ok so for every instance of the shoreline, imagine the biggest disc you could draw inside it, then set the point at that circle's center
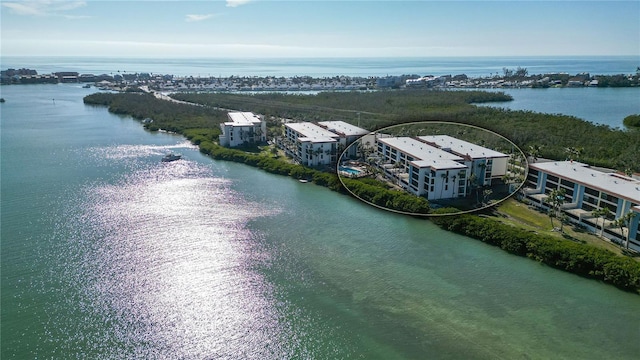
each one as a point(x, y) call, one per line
point(511, 79)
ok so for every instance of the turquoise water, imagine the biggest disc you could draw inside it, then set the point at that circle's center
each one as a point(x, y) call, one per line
point(109, 253)
point(349, 170)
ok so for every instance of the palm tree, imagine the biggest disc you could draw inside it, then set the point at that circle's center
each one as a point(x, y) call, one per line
point(445, 178)
point(574, 153)
point(551, 214)
point(601, 213)
point(483, 167)
point(316, 154)
point(555, 199)
point(473, 185)
point(622, 222)
point(534, 152)
point(485, 195)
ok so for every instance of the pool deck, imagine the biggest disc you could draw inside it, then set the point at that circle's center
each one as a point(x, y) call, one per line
point(358, 170)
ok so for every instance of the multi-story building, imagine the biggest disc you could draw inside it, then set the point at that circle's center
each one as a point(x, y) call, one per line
point(586, 191)
point(310, 144)
point(423, 169)
point(319, 144)
point(243, 128)
point(347, 135)
point(485, 163)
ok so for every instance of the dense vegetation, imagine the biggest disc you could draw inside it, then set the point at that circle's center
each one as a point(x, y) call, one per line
point(576, 258)
point(376, 193)
point(369, 191)
point(271, 164)
point(551, 134)
point(166, 115)
point(632, 121)
point(619, 80)
point(375, 109)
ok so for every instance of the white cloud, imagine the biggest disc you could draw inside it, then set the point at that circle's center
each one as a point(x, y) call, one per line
point(236, 3)
point(43, 7)
point(198, 17)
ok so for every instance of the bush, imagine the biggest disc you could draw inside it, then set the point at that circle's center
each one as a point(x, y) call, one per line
point(632, 121)
point(579, 259)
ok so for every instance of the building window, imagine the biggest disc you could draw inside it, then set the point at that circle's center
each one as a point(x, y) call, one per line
point(591, 191)
point(566, 183)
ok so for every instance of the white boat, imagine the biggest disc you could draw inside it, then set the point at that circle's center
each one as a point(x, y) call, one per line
point(171, 157)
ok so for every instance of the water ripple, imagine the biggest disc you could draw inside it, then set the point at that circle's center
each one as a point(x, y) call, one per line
point(168, 263)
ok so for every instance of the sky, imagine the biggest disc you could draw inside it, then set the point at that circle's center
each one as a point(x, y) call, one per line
point(302, 28)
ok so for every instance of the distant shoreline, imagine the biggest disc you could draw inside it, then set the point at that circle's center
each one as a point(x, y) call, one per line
point(512, 78)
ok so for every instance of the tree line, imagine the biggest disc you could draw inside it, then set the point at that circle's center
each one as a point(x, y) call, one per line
point(551, 134)
point(580, 259)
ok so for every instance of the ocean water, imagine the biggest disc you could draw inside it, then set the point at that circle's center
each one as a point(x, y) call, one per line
point(108, 253)
point(600, 106)
point(329, 67)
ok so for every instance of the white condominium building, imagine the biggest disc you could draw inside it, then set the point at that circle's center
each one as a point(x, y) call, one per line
point(586, 191)
point(486, 164)
point(423, 169)
point(243, 128)
point(310, 144)
point(319, 144)
point(348, 134)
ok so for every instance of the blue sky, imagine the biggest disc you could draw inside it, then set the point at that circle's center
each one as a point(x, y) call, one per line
point(260, 28)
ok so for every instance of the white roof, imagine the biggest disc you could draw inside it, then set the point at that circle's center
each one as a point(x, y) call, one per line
point(243, 118)
point(462, 147)
point(438, 164)
point(612, 183)
point(418, 150)
point(312, 132)
point(343, 127)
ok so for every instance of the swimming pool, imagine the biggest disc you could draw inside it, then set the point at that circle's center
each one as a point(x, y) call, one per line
point(350, 171)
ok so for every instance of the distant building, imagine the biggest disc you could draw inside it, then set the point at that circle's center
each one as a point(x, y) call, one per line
point(389, 81)
point(67, 76)
point(87, 78)
point(587, 190)
point(426, 81)
point(243, 128)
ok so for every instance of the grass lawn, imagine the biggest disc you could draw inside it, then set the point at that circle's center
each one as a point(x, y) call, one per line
point(515, 213)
